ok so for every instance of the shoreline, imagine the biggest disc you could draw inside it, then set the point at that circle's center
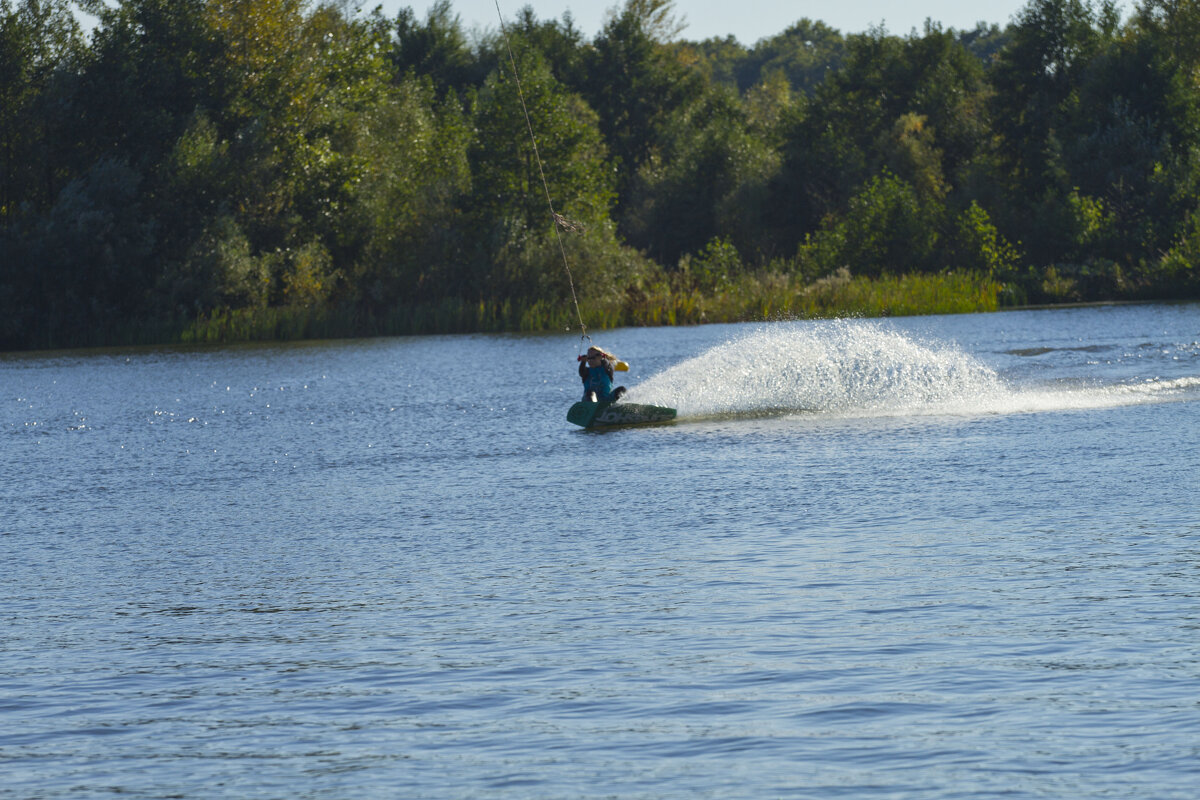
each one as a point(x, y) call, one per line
point(257, 342)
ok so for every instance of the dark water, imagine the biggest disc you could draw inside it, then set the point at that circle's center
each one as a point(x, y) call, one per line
point(930, 558)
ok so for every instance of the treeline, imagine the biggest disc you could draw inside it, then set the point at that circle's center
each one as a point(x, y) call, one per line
point(205, 169)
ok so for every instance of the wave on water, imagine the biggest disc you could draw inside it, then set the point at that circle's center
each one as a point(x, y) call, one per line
point(1152, 390)
point(862, 368)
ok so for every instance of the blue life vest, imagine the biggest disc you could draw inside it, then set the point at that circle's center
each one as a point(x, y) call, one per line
point(599, 382)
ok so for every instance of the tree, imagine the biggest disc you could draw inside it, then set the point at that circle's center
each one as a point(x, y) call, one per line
point(84, 265)
point(635, 82)
point(889, 230)
point(1175, 24)
point(41, 47)
point(914, 106)
point(1096, 129)
point(510, 204)
point(408, 211)
point(806, 53)
point(708, 183)
point(1053, 42)
point(437, 49)
point(559, 42)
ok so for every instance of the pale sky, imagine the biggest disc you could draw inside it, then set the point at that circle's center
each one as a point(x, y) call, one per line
point(748, 20)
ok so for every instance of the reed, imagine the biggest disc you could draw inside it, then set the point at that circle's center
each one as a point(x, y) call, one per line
point(773, 295)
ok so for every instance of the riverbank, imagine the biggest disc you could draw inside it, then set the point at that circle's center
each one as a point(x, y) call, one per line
point(747, 297)
point(763, 296)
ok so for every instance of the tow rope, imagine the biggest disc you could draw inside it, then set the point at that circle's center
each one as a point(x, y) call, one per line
point(559, 220)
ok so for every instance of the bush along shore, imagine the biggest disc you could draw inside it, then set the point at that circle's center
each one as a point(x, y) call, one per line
point(760, 297)
point(227, 170)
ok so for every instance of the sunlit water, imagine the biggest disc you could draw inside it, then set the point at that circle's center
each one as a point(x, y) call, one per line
point(927, 558)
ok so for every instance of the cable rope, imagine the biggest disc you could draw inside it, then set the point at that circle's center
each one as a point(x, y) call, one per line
point(559, 220)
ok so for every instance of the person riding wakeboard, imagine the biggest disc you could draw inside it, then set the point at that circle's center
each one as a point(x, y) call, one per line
point(596, 371)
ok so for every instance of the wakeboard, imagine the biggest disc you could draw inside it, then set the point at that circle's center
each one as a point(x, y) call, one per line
point(609, 415)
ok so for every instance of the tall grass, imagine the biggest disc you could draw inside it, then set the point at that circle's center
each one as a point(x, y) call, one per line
point(770, 296)
point(749, 297)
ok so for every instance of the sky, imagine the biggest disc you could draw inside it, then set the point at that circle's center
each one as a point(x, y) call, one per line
point(748, 20)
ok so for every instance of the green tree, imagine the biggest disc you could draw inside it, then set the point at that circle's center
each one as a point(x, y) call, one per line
point(721, 58)
point(805, 53)
point(1035, 79)
point(914, 106)
point(984, 41)
point(41, 48)
point(1152, 86)
point(1097, 126)
point(709, 182)
point(1175, 27)
point(408, 211)
point(298, 89)
point(889, 230)
point(437, 49)
point(245, 122)
point(88, 259)
point(636, 83)
point(509, 202)
point(153, 63)
point(559, 42)
point(975, 245)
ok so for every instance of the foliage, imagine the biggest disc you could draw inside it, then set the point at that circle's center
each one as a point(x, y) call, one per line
point(215, 169)
point(708, 180)
point(802, 55)
point(438, 49)
point(635, 82)
point(41, 48)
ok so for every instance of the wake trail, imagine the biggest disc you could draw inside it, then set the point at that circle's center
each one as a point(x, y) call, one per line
point(862, 368)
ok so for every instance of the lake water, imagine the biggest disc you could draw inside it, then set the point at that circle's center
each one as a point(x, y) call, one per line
point(944, 557)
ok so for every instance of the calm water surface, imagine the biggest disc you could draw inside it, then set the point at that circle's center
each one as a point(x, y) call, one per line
point(945, 557)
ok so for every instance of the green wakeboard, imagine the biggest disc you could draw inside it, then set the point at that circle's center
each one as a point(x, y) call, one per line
point(608, 415)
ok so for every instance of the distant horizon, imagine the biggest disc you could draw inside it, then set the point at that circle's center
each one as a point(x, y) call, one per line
point(748, 21)
point(752, 21)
